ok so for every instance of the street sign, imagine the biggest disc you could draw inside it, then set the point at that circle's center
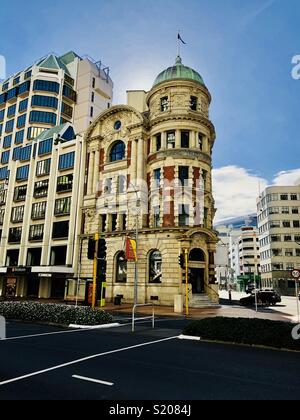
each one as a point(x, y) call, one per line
point(296, 274)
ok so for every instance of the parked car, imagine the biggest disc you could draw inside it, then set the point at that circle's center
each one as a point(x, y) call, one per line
point(250, 287)
point(264, 298)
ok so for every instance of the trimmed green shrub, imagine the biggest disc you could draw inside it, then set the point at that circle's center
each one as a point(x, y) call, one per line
point(53, 313)
point(261, 332)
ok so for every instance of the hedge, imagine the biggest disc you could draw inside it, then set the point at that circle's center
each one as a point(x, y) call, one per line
point(53, 313)
point(260, 332)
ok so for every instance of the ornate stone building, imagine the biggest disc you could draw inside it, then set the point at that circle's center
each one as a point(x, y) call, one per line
point(154, 156)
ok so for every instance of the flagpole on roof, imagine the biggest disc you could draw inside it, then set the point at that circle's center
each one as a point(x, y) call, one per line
point(178, 43)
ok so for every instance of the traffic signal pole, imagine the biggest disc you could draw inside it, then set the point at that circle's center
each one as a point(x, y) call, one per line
point(95, 271)
point(186, 255)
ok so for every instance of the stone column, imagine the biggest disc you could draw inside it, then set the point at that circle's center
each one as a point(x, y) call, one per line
point(140, 160)
point(91, 173)
point(178, 139)
point(195, 143)
point(164, 140)
point(96, 170)
point(134, 161)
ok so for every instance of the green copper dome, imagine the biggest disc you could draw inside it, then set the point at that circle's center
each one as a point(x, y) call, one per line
point(179, 71)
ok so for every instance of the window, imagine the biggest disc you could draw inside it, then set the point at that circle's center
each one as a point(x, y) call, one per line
point(43, 167)
point(44, 101)
point(34, 257)
point(5, 157)
point(2, 214)
point(93, 97)
point(93, 83)
point(122, 180)
point(183, 175)
point(41, 189)
point(39, 210)
point(200, 141)
point(123, 222)
point(58, 256)
point(66, 161)
point(24, 87)
point(108, 186)
point(2, 113)
point(294, 197)
point(171, 140)
point(287, 238)
point(164, 104)
point(7, 141)
point(42, 117)
point(117, 151)
point(19, 138)
point(25, 153)
point(69, 93)
point(103, 218)
point(295, 210)
point(12, 258)
point(184, 215)
point(156, 216)
point(21, 121)
point(45, 147)
point(22, 173)
point(15, 235)
point(289, 253)
point(158, 142)
point(62, 206)
point(185, 139)
point(16, 81)
point(121, 268)
point(67, 110)
point(20, 193)
point(155, 267)
point(157, 178)
point(9, 126)
point(284, 197)
point(60, 230)
point(11, 111)
point(65, 183)
point(274, 224)
point(92, 112)
point(34, 132)
point(23, 105)
point(285, 210)
point(114, 222)
point(4, 173)
point(194, 103)
point(43, 85)
point(297, 238)
point(11, 94)
point(16, 153)
point(3, 194)
point(17, 214)
point(296, 224)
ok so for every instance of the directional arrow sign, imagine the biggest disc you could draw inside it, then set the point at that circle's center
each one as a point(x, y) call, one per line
point(296, 274)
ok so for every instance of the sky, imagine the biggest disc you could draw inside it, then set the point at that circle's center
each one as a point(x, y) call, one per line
point(243, 50)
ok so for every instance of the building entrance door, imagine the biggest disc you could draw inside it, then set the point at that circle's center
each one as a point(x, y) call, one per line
point(33, 286)
point(197, 279)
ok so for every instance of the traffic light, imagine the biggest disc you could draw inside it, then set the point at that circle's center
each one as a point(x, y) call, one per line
point(91, 249)
point(102, 248)
point(181, 260)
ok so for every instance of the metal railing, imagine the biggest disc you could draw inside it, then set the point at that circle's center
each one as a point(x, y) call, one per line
point(144, 318)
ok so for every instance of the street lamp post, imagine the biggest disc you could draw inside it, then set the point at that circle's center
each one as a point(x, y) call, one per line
point(136, 267)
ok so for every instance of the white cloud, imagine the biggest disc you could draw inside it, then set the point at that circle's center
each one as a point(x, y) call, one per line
point(236, 191)
point(285, 178)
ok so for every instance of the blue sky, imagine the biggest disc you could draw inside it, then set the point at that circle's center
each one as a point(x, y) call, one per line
point(243, 50)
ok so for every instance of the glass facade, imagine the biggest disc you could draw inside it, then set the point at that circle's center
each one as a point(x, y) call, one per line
point(42, 117)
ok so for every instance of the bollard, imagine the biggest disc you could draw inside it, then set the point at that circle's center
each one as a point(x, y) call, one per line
point(2, 328)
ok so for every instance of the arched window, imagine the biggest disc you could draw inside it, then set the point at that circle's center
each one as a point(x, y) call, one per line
point(155, 267)
point(197, 255)
point(121, 268)
point(117, 151)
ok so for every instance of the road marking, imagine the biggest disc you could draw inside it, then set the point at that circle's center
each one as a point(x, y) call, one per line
point(85, 359)
point(44, 334)
point(189, 337)
point(95, 381)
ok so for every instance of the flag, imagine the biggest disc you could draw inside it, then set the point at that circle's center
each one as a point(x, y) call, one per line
point(131, 250)
point(180, 39)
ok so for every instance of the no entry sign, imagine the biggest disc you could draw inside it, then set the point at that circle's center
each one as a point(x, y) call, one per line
point(296, 274)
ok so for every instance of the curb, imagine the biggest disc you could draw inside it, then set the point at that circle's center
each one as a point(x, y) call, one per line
point(94, 327)
point(189, 337)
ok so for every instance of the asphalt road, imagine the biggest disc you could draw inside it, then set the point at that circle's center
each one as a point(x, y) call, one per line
point(116, 364)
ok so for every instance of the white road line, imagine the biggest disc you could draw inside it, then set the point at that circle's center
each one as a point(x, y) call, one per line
point(75, 362)
point(44, 334)
point(95, 381)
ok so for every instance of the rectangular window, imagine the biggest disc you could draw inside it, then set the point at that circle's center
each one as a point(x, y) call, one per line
point(296, 224)
point(183, 175)
point(45, 86)
point(103, 218)
point(42, 117)
point(158, 142)
point(2, 214)
point(123, 222)
point(65, 183)
point(114, 222)
point(66, 161)
point(92, 112)
point(7, 141)
point(3, 195)
point(2, 113)
point(22, 173)
point(93, 97)
point(93, 83)
point(11, 111)
point(184, 215)
point(164, 104)
point(41, 189)
point(15, 235)
point(44, 101)
point(5, 157)
point(24, 87)
point(36, 233)
point(16, 153)
point(9, 126)
point(62, 206)
point(284, 197)
point(285, 210)
point(21, 121)
point(67, 110)
point(194, 103)
point(58, 256)
point(11, 94)
point(69, 93)
point(185, 139)
point(19, 138)
point(286, 224)
point(23, 105)
point(34, 132)
point(45, 147)
point(294, 197)
point(295, 210)
point(156, 216)
point(43, 167)
point(60, 230)
point(122, 180)
point(20, 193)
point(17, 214)
point(157, 178)
point(12, 258)
point(34, 256)
point(108, 186)
point(171, 140)
point(4, 173)
point(25, 153)
point(200, 141)
point(39, 210)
